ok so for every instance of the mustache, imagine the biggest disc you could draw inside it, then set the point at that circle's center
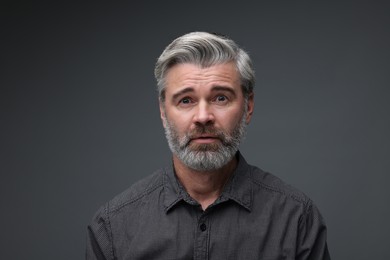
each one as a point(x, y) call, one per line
point(205, 130)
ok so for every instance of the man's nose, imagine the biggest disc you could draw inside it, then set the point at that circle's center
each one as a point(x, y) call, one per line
point(204, 114)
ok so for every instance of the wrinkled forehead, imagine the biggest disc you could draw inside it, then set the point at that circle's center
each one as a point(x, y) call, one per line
point(188, 74)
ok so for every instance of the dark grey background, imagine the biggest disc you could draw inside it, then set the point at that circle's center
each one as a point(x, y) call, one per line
point(80, 120)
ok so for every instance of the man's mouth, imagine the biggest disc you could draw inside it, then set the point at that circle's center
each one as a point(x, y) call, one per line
point(204, 139)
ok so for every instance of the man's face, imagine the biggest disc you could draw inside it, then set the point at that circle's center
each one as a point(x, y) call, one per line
point(204, 114)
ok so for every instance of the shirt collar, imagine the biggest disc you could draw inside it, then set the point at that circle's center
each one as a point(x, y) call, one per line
point(237, 189)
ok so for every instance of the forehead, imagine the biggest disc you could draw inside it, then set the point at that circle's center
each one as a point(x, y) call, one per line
point(191, 75)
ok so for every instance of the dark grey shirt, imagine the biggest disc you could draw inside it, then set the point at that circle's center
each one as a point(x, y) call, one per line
point(256, 217)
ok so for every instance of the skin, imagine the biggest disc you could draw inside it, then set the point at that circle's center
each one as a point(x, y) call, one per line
point(200, 96)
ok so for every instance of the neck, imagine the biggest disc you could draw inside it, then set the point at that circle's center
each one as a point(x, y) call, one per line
point(204, 186)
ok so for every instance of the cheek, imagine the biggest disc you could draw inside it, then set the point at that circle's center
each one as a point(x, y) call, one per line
point(182, 118)
point(179, 121)
point(230, 120)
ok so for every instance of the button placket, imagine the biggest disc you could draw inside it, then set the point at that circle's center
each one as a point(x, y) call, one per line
point(203, 227)
point(202, 237)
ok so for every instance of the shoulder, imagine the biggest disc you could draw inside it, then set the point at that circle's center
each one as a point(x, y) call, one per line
point(128, 202)
point(136, 192)
point(274, 186)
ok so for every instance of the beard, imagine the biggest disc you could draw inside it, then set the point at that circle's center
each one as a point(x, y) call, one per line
point(205, 157)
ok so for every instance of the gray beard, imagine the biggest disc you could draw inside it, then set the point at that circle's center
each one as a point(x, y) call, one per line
point(205, 157)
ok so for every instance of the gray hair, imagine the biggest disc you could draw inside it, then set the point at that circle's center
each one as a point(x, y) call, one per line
point(204, 49)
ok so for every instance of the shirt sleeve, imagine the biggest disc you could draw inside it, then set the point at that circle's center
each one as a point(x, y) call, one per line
point(312, 243)
point(99, 239)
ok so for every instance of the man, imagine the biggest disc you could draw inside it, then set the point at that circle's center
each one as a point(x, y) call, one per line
point(209, 204)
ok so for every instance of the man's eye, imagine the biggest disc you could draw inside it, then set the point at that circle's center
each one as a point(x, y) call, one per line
point(221, 98)
point(185, 101)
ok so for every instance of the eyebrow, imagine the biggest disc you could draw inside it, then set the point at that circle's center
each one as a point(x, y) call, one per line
point(213, 89)
point(223, 88)
point(182, 92)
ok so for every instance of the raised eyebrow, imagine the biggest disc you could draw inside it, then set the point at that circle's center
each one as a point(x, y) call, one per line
point(223, 88)
point(182, 92)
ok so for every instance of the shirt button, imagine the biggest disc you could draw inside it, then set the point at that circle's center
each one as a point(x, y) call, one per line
point(203, 227)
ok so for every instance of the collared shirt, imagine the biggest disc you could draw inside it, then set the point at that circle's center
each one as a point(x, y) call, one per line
point(257, 216)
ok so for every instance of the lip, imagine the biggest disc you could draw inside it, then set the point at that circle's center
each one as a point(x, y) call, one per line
point(205, 139)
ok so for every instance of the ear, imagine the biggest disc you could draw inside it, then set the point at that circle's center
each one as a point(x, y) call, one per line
point(250, 107)
point(162, 112)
